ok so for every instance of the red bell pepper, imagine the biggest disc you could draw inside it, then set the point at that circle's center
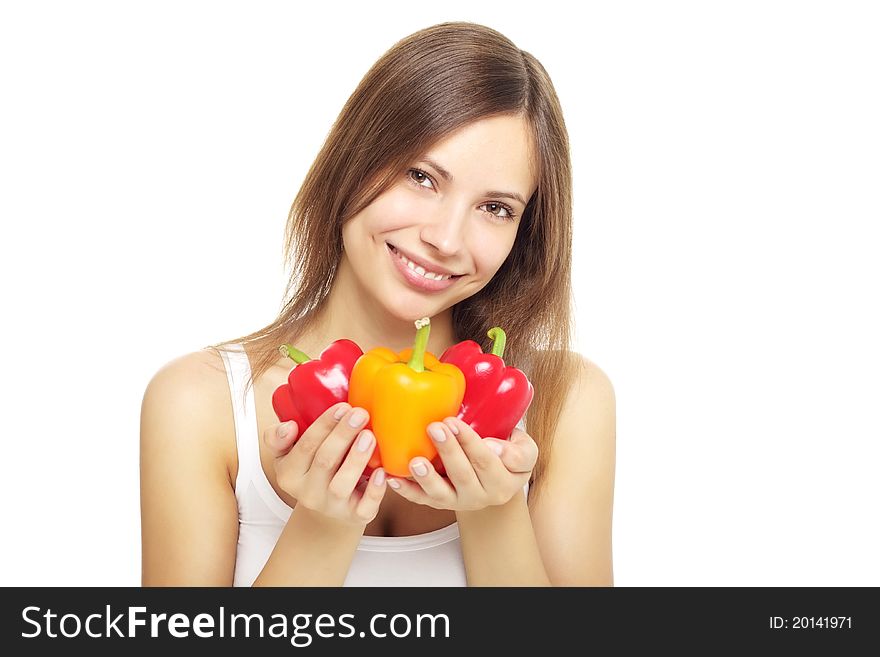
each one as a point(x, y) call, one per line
point(496, 396)
point(313, 386)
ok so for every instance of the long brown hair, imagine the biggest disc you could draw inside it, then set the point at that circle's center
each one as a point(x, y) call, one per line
point(426, 86)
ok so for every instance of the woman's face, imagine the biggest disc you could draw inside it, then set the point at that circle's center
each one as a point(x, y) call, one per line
point(464, 225)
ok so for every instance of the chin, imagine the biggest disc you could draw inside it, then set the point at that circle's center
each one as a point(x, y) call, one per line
point(407, 314)
point(405, 304)
point(409, 310)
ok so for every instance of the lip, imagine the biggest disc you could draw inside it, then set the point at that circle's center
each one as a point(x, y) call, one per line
point(415, 280)
point(427, 266)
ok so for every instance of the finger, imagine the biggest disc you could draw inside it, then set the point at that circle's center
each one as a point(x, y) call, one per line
point(520, 453)
point(279, 438)
point(410, 491)
point(333, 450)
point(435, 486)
point(458, 468)
point(346, 478)
point(511, 455)
point(303, 452)
point(367, 507)
point(486, 464)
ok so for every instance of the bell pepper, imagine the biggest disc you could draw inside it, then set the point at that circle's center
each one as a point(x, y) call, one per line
point(403, 394)
point(313, 386)
point(496, 396)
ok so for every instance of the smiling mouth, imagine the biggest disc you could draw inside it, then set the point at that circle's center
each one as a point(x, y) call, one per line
point(398, 254)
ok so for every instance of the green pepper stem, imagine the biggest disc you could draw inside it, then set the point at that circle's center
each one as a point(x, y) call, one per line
point(294, 354)
point(417, 360)
point(499, 340)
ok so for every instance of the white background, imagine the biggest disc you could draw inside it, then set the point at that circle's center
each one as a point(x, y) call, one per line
point(726, 210)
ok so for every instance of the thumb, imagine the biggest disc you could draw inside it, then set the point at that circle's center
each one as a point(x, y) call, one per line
point(521, 452)
point(279, 438)
point(505, 451)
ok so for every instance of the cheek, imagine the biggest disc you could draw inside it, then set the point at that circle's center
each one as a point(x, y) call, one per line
point(384, 214)
point(490, 252)
point(394, 209)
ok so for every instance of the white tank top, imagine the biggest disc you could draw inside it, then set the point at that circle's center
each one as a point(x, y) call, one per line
point(431, 559)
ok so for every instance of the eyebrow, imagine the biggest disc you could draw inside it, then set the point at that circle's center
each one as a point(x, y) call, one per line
point(449, 178)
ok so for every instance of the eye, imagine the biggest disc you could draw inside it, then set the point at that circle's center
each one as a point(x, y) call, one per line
point(419, 172)
point(510, 214)
point(417, 177)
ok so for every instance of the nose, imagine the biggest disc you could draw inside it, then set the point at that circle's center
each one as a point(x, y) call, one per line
point(445, 231)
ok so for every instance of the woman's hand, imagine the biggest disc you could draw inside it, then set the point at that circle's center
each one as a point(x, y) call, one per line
point(478, 476)
point(322, 468)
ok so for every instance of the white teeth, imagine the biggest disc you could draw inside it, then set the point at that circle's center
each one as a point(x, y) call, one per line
point(420, 270)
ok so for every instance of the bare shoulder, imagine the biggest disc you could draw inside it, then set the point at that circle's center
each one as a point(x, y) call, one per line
point(192, 391)
point(593, 378)
point(589, 387)
point(200, 367)
point(588, 418)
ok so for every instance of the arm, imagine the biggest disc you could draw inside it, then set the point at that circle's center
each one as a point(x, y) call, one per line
point(499, 547)
point(313, 550)
point(570, 523)
point(189, 514)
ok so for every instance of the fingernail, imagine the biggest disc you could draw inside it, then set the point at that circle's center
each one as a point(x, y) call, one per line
point(437, 433)
point(357, 418)
point(380, 477)
point(393, 483)
point(452, 427)
point(365, 441)
point(285, 430)
point(496, 447)
point(342, 410)
point(420, 469)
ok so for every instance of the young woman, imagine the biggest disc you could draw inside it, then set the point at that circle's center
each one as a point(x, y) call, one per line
point(451, 154)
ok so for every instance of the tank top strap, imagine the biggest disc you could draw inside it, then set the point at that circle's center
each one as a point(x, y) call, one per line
point(238, 369)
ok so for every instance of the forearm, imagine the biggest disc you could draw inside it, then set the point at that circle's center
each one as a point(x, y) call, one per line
point(499, 546)
point(313, 550)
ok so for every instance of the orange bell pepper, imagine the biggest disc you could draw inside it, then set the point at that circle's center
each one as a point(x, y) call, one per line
point(403, 394)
